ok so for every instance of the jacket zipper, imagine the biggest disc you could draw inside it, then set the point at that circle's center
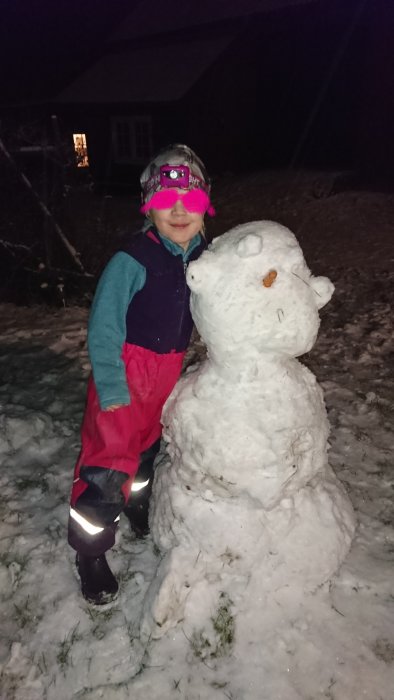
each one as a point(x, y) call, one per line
point(183, 308)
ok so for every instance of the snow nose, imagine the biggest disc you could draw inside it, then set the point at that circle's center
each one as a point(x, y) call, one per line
point(270, 278)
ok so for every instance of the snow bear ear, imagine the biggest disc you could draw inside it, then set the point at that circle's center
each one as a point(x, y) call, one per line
point(323, 288)
point(250, 245)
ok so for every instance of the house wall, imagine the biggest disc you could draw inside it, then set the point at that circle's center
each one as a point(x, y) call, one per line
point(96, 122)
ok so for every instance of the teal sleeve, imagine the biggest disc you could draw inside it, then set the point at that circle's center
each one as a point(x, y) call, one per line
point(121, 280)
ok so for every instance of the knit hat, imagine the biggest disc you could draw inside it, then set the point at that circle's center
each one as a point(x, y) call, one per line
point(156, 175)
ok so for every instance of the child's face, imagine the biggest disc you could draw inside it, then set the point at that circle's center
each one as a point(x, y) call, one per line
point(177, 223)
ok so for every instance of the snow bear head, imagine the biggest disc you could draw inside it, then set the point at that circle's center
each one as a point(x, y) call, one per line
point(253, 293)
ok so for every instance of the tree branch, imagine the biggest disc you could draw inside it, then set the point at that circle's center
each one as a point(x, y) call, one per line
point(22, 177)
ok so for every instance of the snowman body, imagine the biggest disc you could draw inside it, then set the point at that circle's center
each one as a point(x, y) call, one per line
point(245, 497)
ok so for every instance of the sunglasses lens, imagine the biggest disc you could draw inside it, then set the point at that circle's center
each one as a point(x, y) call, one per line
point(196, 201)
point(165, 199)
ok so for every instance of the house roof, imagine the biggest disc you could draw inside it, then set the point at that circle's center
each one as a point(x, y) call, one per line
point(151, 17)
point(162, 74)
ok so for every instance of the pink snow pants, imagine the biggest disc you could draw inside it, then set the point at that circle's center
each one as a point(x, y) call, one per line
point(115, 440)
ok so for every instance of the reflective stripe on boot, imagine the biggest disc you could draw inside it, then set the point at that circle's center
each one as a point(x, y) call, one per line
point(94, 517)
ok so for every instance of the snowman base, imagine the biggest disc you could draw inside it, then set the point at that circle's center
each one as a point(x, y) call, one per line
point(246, 553)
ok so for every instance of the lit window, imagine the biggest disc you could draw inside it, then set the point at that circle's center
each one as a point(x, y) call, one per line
point(132, 139)
point(81, 150)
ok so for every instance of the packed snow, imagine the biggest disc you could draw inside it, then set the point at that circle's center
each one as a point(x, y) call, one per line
point(247, 501)
point(315, 634)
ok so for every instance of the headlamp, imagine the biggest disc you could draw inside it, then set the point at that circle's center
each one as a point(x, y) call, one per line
point(174, 176)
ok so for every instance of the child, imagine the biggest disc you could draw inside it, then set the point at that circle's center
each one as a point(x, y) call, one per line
point(139, 328)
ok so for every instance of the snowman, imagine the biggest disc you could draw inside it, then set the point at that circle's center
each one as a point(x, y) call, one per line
point(245, 503)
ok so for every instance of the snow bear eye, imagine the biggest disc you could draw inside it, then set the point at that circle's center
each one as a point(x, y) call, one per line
point(249, 245)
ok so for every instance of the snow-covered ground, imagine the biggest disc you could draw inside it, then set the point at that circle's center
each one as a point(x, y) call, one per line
point(336, 643)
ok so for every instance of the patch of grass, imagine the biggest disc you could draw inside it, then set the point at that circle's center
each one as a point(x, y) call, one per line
point(99, 618)
point(200, 645)
point(63, 655)
point(101, 615)
point(228, 557)
point(328, 693)
point(98, 632)
point(15, 563)
point(224, 625)
point(29, 482)
point(219, 685)
point(63, 498)
point(218, 642)
point(55, 531)
point(25, 613)
point(42, 665)
point(126, 575)
point(384, 650)
point(176, 685)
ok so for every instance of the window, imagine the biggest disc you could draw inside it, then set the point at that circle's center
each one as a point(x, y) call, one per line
point(132, 139)
point(81, 150)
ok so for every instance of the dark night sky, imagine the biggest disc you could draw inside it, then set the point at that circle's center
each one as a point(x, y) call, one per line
point(45, 43)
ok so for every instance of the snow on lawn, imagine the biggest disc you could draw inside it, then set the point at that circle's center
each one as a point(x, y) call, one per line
point(335, 643)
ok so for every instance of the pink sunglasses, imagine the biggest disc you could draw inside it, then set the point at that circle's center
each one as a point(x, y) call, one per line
point(195, 201)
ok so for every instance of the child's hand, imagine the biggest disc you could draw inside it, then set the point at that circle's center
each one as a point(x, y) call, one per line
point(114, 407)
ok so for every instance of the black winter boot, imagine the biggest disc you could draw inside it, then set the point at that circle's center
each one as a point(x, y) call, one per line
point(137, 508)
point(137, 512)
point(98, 584)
